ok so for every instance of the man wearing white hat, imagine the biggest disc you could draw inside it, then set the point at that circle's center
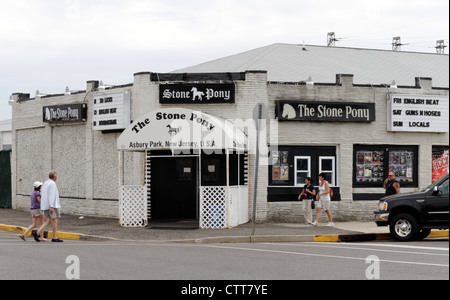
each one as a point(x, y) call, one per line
point(51, 206)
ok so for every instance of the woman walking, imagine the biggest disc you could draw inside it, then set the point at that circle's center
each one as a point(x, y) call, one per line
point(324, 200)
point(307, 194)
point(36, 213)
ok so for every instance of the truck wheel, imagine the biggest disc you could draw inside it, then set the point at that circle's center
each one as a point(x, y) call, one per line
point(404, 227)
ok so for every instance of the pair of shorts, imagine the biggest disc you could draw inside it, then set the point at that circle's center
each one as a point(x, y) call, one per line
point(36, 213)
point(55, 215)
point(324, 204)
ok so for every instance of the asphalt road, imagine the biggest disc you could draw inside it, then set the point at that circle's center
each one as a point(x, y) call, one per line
point(19, 260)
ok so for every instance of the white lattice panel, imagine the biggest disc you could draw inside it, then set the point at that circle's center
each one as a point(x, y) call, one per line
point(133, 206)
point(213, 207)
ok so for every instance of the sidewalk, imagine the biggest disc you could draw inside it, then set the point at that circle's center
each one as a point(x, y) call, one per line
point(102, 229)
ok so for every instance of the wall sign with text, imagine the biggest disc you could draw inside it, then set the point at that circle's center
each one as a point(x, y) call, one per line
point(288, 110)
point(65, 113)
point(180, 128)
point(196, 93)
point(111, 111)
point(418, 113)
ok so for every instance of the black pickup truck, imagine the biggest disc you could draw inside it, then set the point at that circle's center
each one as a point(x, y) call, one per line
point(412, 216)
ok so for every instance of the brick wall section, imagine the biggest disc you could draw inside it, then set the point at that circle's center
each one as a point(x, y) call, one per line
point(88, 163)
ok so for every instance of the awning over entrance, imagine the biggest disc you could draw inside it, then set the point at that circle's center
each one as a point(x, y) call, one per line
point(214, 192)
point(179, 128)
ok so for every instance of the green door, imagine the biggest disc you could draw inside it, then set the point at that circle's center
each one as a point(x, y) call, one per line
point(5, 179)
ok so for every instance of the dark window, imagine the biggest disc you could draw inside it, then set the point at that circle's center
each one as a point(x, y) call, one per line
point(290, 165)
point(372, 163)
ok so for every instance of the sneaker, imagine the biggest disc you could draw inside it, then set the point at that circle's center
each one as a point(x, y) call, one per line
point(330, 224)
point(315, 224)
point(36, 237)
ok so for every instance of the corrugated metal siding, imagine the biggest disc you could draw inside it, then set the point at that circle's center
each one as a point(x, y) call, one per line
point(289, 63)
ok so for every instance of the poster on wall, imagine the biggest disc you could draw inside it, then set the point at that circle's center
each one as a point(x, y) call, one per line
point(401, 163)
point(284, 165)
point(369, 166)
point(440, 162)
point(373, 163)
point(280, 166)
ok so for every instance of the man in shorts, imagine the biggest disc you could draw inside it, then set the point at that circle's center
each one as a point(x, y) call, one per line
point(51, 206)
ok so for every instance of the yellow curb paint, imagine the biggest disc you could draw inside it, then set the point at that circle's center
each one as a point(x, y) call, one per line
point(443, 233)
point(61, 235)
point(326, 238)
point(68, 236)
point(383, 237)
point(10, 228)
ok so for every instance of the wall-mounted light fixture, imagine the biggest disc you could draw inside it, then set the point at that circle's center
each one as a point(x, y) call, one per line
point(309, 82)
point(101, 86)
point(11, 100)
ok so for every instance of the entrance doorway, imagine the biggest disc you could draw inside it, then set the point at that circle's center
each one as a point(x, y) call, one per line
point(174, 189)
point(181, 183)
point(5, 179)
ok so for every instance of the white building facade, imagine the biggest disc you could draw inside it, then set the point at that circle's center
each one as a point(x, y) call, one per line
point(182, 145)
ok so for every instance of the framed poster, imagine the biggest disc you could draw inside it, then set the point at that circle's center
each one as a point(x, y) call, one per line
point(439, 162)
point(369, 166)
point(280, 167)
point(373, 163)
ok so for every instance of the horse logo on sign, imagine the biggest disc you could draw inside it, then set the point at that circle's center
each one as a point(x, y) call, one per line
point(197, 94)
point(173, 131)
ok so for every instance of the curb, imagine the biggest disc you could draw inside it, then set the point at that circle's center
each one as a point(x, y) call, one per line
point(61, 235)
point(329, 238)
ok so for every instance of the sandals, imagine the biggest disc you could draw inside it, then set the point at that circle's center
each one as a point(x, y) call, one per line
point(23, 237)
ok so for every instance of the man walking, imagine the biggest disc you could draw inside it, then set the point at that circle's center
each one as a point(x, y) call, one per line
point(391, 185)
point(51, 206)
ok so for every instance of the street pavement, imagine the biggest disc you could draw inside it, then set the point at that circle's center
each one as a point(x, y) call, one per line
point(189, 262)
point(95, 228)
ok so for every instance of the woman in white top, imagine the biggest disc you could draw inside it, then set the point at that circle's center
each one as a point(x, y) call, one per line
point(324, 200)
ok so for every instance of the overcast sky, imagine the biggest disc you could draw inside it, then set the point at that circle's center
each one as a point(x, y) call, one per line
point(47, 45)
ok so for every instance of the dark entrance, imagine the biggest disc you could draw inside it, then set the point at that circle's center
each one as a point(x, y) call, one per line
point(174, 189)
point(5, 179)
